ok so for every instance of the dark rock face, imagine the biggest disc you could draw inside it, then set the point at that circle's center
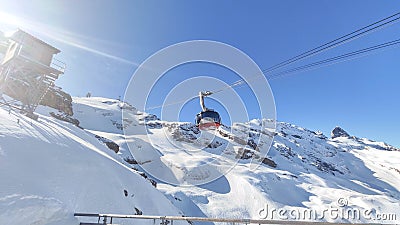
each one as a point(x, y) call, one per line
point(138, 211)
point(339, 132)
point(296, 136)
point(214, 144)
point(269, 162)
point(131, 160)
point(244, 153)
point(326, 167)
point(110, 144)
point(65, 118)
point(184, 132)
point(113, 146)
point(57, 99)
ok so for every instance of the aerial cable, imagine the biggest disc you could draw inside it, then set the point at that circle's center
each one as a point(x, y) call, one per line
point(336, 59)
point(338, 41)
point(333, 60)
point(329, 45)
point(326, 62)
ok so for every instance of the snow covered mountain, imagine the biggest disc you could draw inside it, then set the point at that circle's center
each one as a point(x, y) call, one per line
point(52, 168)
point(304, 169)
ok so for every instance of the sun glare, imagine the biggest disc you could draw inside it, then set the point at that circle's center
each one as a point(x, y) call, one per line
point(9, 21)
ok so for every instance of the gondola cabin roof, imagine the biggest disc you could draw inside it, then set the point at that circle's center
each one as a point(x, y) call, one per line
point(209, 114)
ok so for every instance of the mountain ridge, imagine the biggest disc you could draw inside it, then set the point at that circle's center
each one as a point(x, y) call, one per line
point(301, 170)
point(351, 163)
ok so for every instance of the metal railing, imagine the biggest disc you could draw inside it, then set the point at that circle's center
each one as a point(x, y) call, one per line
point(164, 220)
point(58, 65)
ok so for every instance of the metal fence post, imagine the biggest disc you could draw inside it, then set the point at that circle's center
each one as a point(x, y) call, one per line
point(105, 220)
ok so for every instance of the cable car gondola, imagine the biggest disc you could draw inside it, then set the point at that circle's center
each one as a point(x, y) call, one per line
point(207, 118)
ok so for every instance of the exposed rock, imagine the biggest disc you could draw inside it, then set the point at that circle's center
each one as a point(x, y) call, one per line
point(296, 136)
point(117, 124)
point(131, 160)
point(269, 162)
point(190, 127)
point(326, 167)
point(214, 144)
point(244, 153)
point(154, 125)
point(223, 134)
point(138, 211)
point(32, 115)
point(284, 150)
point(252, 144)
point(110, 144)
point(65, 118)
point(339, 132)
point(184, 132)
point(150, 117)
point(113, 146)
point(153, 182)
point(144, 175)
point(57, 99)
point(319, 135)
point(238, 140)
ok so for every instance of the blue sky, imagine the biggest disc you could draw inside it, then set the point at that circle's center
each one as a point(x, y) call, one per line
point(103, 42)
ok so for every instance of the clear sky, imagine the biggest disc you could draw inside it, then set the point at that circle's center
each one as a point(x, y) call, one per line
point(103, 42)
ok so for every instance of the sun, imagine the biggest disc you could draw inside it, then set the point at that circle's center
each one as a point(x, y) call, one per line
point(9, 21)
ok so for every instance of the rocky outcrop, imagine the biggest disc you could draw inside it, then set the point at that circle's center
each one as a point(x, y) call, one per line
point(57, 99)
point(65, 118)
point(269, 162)
point(110, 144)
point(339, 132)
point(245, 153)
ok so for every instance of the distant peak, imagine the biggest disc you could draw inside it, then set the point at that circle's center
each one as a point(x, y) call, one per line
point(339, 132)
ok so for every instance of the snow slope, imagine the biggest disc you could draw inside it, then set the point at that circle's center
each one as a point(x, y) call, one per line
point(304, 171)
point(50, 169)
